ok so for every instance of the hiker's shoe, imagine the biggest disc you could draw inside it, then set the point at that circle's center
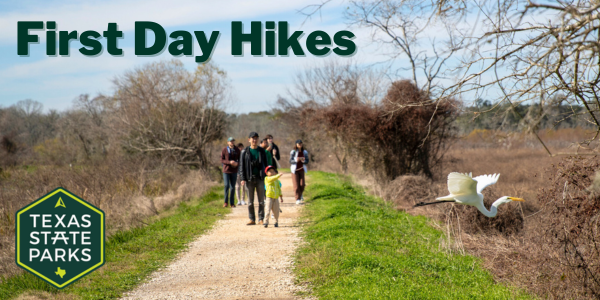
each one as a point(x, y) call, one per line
point(276, 225)
point(266, 225)
point(298, 201)
point(232, 205)
point(225, 205)
point(260, 222)
point(251, 223)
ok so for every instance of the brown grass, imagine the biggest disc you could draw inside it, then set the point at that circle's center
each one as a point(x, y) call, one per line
point(124, 189)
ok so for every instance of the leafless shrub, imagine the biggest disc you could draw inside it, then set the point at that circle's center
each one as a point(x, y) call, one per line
point(411, 140)
point(572, 219)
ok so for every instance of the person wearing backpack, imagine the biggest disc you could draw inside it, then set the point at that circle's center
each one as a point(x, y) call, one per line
point(253, 162)
point(298, 162)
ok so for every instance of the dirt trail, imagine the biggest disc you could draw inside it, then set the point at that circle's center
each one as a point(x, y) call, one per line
point(233, 260)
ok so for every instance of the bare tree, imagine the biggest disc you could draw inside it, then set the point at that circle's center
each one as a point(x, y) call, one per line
point(511, 51)
point(531, 52)
point(168, 111)
point(330, 84)
point(412, 35)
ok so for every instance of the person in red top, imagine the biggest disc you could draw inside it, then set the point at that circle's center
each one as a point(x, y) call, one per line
point(230, 158)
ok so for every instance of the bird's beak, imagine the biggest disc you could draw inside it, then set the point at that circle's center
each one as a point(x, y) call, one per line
point(515, 199)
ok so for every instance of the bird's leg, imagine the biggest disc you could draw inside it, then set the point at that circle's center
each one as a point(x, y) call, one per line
point(434, 202)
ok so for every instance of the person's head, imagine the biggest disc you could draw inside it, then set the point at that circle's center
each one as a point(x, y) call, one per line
point(269, 138)
point(264, 143)
point(298, 146)
point(231, 142)
point(240, 146)
point(271, 171)
point(253, 139)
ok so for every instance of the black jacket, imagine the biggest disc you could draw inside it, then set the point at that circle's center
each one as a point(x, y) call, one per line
point(245, 167)
point(275, 148)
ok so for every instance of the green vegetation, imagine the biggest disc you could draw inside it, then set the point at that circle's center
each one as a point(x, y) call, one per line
point(133, 254)
point(358, 247)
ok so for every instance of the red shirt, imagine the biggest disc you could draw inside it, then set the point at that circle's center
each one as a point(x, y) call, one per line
point(300, 165)
point(227, 155)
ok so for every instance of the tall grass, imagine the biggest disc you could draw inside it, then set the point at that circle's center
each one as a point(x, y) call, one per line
point(128, 190)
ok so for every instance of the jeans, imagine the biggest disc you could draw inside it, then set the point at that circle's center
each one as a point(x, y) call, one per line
point(230, 180)
point(256, 186)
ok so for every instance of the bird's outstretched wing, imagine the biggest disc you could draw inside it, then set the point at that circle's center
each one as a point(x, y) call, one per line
point(461, 184)
point(484, 181)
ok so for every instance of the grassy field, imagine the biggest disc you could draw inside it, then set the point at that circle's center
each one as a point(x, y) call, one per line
point(131, 255)
point(358, 247)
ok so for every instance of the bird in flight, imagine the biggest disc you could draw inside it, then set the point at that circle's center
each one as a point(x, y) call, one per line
point(465, 189)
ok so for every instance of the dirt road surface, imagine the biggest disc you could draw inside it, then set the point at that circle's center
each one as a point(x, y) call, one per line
point(233, 260)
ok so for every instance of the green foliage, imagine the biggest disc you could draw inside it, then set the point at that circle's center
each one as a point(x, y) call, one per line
point(358, 247)
point(132, 255)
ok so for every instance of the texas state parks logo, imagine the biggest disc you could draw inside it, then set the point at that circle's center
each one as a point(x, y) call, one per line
point(60, 238)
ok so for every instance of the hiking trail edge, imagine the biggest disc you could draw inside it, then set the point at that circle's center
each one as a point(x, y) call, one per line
point(233, 260)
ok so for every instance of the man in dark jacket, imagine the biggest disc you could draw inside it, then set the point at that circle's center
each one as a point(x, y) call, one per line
point(230, 158)
point(253, 162)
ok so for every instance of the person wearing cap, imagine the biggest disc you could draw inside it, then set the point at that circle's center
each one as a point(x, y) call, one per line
point(298, 162)
point(230, 157)
point(273, 186)
point(253, 162)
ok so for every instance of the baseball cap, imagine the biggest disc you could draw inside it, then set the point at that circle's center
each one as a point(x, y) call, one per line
point(298, 141)
point(230, 139)
point(252, 134)
point(267, 168)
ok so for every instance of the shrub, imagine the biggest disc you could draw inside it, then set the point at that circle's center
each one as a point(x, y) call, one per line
point(405, 134)
point(572, 227)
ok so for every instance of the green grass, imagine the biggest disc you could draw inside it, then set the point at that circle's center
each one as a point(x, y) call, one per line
point(133, 254)
point(358, 247)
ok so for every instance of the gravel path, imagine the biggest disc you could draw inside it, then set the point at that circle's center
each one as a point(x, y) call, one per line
point(233, 260)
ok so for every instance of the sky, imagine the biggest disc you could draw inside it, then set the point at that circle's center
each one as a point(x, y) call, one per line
point(56, 81)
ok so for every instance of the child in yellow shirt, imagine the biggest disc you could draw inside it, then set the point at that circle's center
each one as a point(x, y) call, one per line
point(273, 194)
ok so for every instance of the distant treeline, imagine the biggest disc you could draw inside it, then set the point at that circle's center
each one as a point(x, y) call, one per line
point(27, 131)
point(505, 116)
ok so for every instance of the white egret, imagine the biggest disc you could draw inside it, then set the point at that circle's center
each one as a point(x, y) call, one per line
point(465, 189)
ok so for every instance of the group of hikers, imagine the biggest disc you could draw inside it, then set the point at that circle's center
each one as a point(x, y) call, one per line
point(254, 171)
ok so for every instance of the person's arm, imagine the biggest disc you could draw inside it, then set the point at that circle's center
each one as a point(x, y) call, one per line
point(306, 157)
point(270, 179)
point(276, 148)
point(292, 160)
point(225, 157)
